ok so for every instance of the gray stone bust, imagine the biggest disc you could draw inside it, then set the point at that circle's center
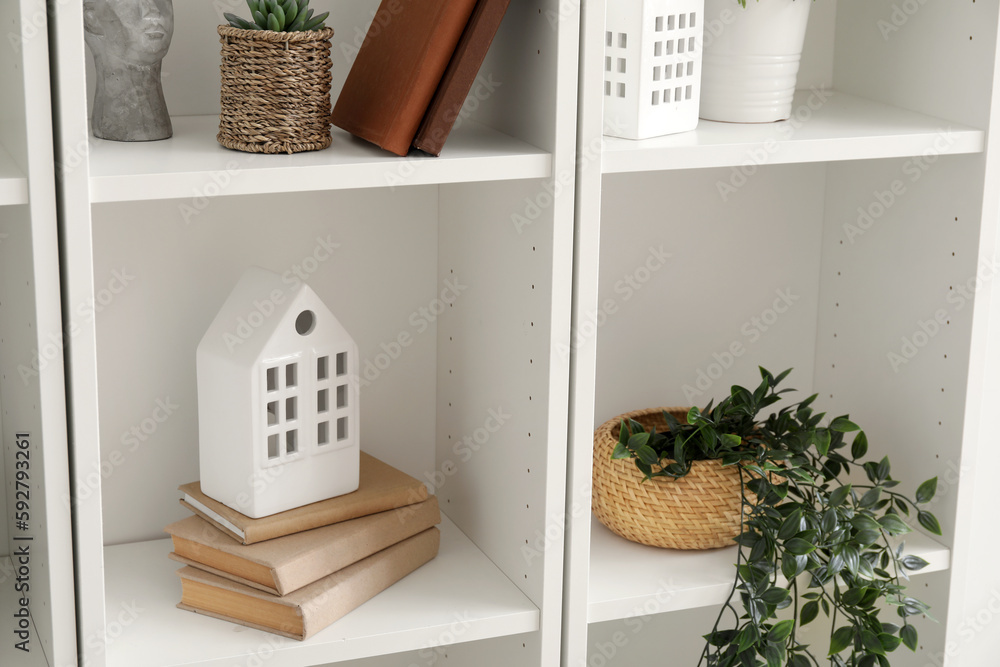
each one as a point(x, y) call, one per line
point(129, 39)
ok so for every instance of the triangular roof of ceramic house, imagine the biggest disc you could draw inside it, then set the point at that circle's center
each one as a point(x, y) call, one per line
point(247, 310)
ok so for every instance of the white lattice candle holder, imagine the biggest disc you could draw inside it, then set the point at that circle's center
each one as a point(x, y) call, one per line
point(652, 67)
point(278, 414)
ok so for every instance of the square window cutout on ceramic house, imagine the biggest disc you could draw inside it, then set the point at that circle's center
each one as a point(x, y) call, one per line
point(265, 403)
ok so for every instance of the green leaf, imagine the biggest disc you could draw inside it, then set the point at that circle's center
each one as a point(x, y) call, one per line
point(791, 526)
point(930, 522)
point(637, 440)
point(621, 452)
point(869, 660)
point(731, 440)
point(889, 642)
point(871, 497)
point(692, 415)
point(260, 20)
point(272, 23)
point(647, 454)
point(720, 637)
point(279, 14)
point(316, 23)
point(865, 522)
point(926, 491)
point(799, 660)
point(853, 596)
point(865, 569)
point(844, 425)
point(774, 595)
point(829, 521)
point(799, 547)
point(792, 566)
point(746, 638)
point(623, 432)
point(893, 524)
point(238, 22)
point(810, 610)
point(839, 495)
point(841, 639)
point(291, 11)
point(672, 422)
point(781, 630)
point(860, 445)
point(914, 563)
point(823, 441)
point(908, 635)
point(882, 471)
point(871, 643)
point(773, 656)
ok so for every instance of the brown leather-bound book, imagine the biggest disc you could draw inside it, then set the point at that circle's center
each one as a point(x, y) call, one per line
point(305, 612)
point(398, 68)
point(286, 564)
point(457, 81)
point(382, 488)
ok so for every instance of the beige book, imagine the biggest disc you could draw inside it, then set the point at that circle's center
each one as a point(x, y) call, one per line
point(381, 488)
point(285, 564)
point(305, 612)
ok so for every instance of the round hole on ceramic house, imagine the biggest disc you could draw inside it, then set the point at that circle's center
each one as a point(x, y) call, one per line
point(305, 322)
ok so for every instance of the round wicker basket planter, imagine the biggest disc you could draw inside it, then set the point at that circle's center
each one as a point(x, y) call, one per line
point(698, 511)
point(275, 90)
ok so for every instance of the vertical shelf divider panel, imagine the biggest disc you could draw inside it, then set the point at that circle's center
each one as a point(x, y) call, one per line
point(72, 133)
point(36, 519)
point(583, 334)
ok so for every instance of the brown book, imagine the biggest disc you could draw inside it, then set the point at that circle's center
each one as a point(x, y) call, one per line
point(288, 563)
point(457, 81)
point(398, 68)
point(305, 612)
point(381, 488)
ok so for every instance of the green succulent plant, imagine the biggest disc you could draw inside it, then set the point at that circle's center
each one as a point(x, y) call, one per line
point(279, 16)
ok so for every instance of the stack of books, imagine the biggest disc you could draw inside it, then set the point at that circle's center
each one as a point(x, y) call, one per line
point(415, 69)
point(296, 572)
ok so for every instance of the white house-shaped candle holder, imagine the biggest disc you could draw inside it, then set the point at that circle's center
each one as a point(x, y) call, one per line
point(278, 416)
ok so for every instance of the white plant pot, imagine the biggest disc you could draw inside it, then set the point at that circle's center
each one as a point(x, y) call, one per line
point(751, 59)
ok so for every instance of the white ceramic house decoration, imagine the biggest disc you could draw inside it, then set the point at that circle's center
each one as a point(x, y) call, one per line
point(277, 415)
point(652, 67)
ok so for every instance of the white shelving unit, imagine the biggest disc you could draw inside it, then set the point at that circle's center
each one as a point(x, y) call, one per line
point(453, 274)
point(36, 566)
point(828, 243)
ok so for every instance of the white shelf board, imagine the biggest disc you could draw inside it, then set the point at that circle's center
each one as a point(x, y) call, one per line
point(459, 596)
point(844, 127)
point(193, 164)
point(672, 580)
point(9, 654)
point(13, 184)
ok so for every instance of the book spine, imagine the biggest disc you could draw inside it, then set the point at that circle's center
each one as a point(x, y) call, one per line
point(446, 105)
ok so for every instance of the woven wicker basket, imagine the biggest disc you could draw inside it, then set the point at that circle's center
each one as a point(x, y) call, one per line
point(275, 90)
point(698, 511)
